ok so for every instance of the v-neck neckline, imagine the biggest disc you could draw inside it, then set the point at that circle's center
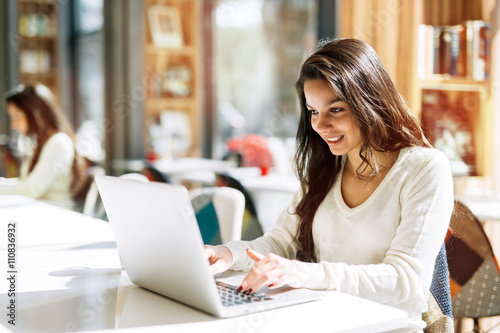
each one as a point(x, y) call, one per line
point(346, 210)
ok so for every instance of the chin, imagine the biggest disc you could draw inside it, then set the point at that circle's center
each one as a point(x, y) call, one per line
point(337, 152)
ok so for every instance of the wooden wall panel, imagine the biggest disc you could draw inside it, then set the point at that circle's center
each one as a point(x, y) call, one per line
point(406, 61)
point(495, 95)
point(451, 12)
point(390, 27)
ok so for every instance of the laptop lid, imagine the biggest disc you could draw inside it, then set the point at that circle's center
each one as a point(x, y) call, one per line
point(159, 241)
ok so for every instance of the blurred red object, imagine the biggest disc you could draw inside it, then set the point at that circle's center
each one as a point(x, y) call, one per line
point(254, 151)
point(152, 156)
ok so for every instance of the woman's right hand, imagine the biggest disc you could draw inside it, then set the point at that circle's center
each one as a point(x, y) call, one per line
point(220, 258)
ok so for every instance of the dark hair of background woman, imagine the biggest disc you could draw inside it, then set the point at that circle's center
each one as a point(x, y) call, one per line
point(358, 78)
point(45, 118)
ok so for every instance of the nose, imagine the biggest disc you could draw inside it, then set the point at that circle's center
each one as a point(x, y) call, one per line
point(322, 123)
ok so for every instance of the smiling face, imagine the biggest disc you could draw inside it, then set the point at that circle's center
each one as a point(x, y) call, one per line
point(18, 120)
point(332, 119)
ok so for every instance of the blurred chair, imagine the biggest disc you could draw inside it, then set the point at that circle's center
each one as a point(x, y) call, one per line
point(9, 164)
point(135, 176)
point(439, 316)
point(155, 175)
point(235, 157)
point(219, 211)
point(92, 205)
point(251, 228)
point(474, 270)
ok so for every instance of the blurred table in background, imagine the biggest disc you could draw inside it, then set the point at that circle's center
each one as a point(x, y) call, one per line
point(182, 169)
point(193, 169)
point(485, 205)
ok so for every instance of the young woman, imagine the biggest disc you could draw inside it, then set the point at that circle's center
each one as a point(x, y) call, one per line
point(375, 200)
point(52, 171)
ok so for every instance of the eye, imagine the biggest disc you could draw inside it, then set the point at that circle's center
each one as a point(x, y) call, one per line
point(336, 110)
point(312, 112)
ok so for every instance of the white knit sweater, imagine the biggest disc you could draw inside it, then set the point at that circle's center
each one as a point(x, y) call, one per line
point(51, 177)
point(383, 249)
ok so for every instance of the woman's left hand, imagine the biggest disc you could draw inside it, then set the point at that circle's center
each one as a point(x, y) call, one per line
point(271, 270)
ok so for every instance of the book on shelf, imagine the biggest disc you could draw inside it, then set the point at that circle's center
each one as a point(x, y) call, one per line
point(478, 37)
point(461, 50)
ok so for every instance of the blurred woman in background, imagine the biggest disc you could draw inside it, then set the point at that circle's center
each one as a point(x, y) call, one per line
point(51, 170)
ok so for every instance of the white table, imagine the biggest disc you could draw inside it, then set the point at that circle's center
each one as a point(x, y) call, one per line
point(69, 278)
point(189, 168)
point(485, 207)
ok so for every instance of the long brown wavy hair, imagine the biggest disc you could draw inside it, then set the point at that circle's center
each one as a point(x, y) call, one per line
point(45, 118)
point(358, 78)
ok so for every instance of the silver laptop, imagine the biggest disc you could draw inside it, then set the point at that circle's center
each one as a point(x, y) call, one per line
point(161, 248)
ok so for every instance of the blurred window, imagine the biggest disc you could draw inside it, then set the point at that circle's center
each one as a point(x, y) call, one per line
point(90, 78)
point(259, 46)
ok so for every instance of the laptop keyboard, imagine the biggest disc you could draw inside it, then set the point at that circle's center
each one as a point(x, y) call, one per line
point(229, 296)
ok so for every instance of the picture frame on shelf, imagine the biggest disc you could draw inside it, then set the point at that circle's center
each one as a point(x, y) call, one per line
point(176, 131)
point(166, 27)
point(169, 134)
point(450, 119)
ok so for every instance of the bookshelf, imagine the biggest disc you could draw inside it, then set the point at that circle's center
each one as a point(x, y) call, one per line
point(172, 77)
point(37, 43)
point(453, 69)
point(392, 28)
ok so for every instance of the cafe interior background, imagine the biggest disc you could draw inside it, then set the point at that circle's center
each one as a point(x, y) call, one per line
point(157, 80)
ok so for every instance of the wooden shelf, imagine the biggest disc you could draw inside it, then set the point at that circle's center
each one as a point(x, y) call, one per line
point(445, 82)
point(448, 79)
point(154, 105)
point(46, 38)
point(48, 75)
point(39, 52)
point(168, 51)
point(173, 69)
point(37, 2)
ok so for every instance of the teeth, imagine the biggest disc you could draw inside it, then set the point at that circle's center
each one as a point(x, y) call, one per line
point(334, 139)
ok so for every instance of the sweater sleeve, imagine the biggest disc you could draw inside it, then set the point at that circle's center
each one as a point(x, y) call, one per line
point(406, 271)
point(56, 157)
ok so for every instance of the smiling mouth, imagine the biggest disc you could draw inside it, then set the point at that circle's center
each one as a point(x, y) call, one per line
point(333, 140)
